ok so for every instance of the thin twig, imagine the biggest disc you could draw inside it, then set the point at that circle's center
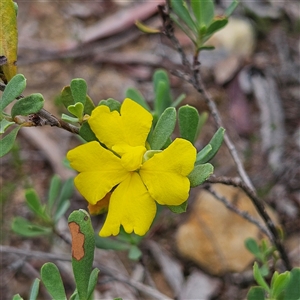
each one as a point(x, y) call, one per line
point(275, 238)
point(193, 76)
point(43, 117)
point(243, 214)
point(153, 293)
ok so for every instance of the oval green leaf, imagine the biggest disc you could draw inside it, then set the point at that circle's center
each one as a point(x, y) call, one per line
point(136, 96)
point(52, 280)
point(28, 105)
point(188, 119)
point(79, 89)
point(8, 141)
point(34, 289)
point(256, 293)
point(13, 89)
point(163, 129)
point(200, 174)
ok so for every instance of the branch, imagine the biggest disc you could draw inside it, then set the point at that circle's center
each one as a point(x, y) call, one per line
point(43, 117)
point(275, 238)
point(153, 293)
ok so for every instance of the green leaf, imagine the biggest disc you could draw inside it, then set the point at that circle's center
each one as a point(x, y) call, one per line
point(25, 228)
point(34, 289)
point(76, 110)
point(62, 209)
point(111, 103)
point(8, 38)
point(110, 244)
point(34, 204)
point(201, 155)
point(8, 141)
point(180, 9)
point(216, 143)
point(202, 120)
point(292, 291)
point(79, 89)
point(17, 297)
point(86, 132)
point(89, 105)
point(200, 174)
point(203, 11)
point(253, 247)
point(13, 89)
point(259, 279)
point(28, 105)
point(66, 96)
point(69, 119)
point(215, 26)
point(52, 280)
point(188, 118)
point(163, 129)
point(136, 96)
point(163, 98)
point(256, 293)
point(178, 209)
point(92, 282)
point(279, 284)
point(206, 48)
point(4, 124)
point(54, 188)
point(134, 253)
point(231, 8)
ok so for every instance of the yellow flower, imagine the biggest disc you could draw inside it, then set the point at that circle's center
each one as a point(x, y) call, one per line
point(135, 178)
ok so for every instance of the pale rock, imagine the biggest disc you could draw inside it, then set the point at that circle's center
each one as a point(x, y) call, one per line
point(213, 236)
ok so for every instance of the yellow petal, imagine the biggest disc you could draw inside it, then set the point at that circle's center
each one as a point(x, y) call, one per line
point(165, 174)
point(130, 127)
point(131, 206)
point(100, 170)
point(131, 157)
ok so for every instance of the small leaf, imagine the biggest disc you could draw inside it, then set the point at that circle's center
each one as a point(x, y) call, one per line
point(203, 11)
point(25, 228)
point(28, 105)
point(79, 89)
point(17, 297)
point(178, 209)
point(7, 142)
point(92, 282)
point(200, 174)
point(66, 96)
point(215, 26)
point(146, 29)
point(256, 293)
point(201, 155)
point(134, 253)
point(179, 7)
point(231, 8)
point(188, 119)
point(8, 38)
point(4, 124)
point(52, 280)
point(76, 110)
point(253, 247)
point(34, 204)
point(292, 291)
point(136, 96)
point(111, 103)
point(61, 210)
point(34, 289)
point(178, 100)
point(89, 105)
point(163, 98)
point(86, 132)
point(163, 129)
point(279, 284)
point(53, 190)
point(216, 143)
point(69, 119)
point(13, 89)
point(258, 277)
